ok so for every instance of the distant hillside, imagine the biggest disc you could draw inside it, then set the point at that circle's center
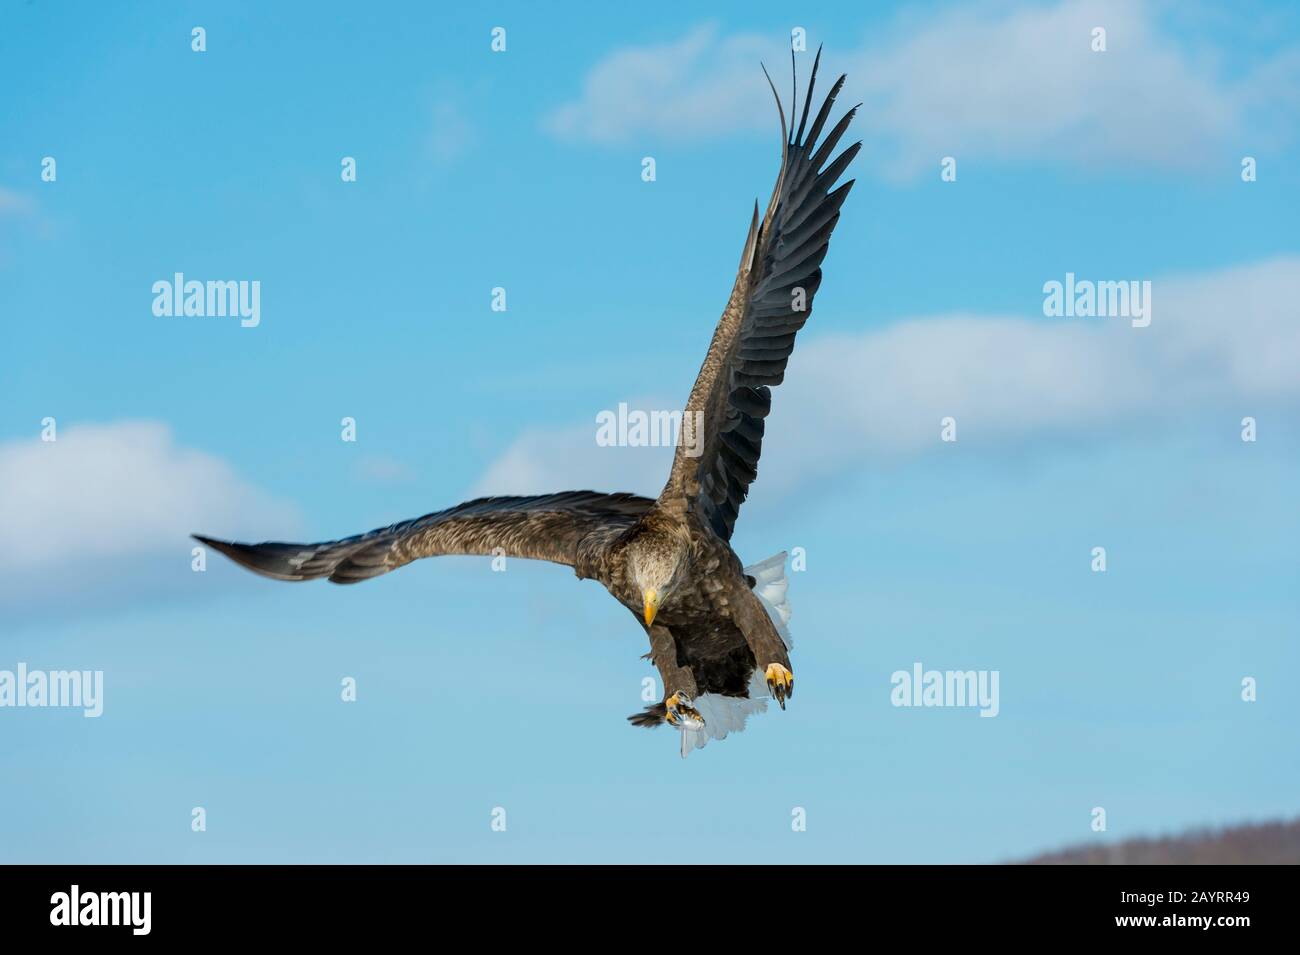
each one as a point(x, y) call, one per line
point(1269, 843)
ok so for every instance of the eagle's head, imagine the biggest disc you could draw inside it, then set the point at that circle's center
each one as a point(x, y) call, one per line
point(657, 563)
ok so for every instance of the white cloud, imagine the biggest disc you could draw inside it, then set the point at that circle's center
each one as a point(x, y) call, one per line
point(1225, 339)
point(991, 81)
point(569, 459)
point(1027, 84)
point(700, 84)
point(120, 490)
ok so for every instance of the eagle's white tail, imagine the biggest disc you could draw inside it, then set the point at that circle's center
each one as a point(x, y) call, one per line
point(727, 714)
point(772, 589)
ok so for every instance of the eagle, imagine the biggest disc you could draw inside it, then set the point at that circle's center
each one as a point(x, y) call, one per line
point(717, 629)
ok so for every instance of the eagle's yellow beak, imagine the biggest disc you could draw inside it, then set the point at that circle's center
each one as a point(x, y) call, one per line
point(651, 605)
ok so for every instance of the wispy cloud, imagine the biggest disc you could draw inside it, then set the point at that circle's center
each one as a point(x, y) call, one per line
point(20, 218)
point(1226, 339)
point(700, 85)
point(1027, 85)
point(983, 82)
point(451, 135)
point(15, 203)
point(569, 458)
point(71, 509)
point(380, 469)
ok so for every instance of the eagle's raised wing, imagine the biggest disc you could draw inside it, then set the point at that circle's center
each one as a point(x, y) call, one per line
point(544, 527)
point(780, 271)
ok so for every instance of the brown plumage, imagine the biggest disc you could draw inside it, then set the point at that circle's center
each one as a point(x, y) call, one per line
point(669, 560)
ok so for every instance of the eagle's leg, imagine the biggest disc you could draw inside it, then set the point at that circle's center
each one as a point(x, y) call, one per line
point(679, 712)
point(679, 686)
point(766, 644)
point(780, 682)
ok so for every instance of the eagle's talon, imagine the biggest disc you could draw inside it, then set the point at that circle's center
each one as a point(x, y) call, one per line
point(780, 683)
point(679, 712)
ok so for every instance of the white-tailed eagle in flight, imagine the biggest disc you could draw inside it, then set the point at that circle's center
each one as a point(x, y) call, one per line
point(716, 628)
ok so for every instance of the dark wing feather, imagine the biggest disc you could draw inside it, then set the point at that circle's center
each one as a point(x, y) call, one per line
point(754, 339)
point(544, 527)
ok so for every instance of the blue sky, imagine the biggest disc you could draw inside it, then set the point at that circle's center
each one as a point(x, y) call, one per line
point(522, 169)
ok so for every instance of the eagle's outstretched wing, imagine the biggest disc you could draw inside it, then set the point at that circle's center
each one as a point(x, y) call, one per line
point(543, 527)
point(780, 271)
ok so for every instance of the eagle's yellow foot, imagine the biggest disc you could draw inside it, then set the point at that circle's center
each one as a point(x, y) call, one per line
point(780, 683)
point(679, 712)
